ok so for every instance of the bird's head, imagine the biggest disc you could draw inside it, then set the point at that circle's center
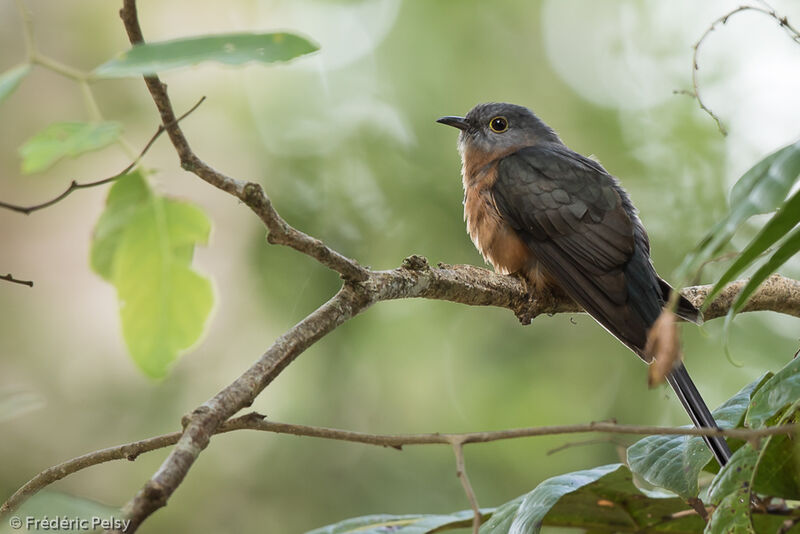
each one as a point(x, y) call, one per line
point(499, 128)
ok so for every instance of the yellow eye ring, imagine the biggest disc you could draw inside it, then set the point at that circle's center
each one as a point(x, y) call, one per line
point(498, 124)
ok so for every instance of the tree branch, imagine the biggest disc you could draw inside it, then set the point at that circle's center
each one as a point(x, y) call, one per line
point(695, 91)
point(252, 194)
point(457, 283)
point(256, 421)
point(362, 288)
point(10, 278)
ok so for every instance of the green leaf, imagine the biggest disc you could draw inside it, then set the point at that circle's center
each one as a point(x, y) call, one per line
point(675, 462)
point(11, 79)
point(778, 471)
point(739, 469)
point(602, 498)
point(144, 244)
point(526, 514)
point(772, 469)
point(125, 198)
point(761, 189)
point(785, 251)
point(730, 492)
point(231, 49)
point(775, 396)
point(399, 524)
point(62, 139)
point(776, 228)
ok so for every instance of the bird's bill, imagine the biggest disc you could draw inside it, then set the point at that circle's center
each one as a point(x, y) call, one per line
point(455, 122)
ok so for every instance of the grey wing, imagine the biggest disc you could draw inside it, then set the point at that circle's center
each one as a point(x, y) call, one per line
point(582, 228)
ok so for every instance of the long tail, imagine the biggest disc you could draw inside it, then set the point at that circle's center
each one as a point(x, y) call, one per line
point(701, 417)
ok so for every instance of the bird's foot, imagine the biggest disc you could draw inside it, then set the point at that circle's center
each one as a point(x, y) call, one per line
point(540, 298)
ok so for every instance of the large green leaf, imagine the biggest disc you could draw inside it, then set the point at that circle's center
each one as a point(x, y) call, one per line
point(775, 229)
point(776, 402)
point(603, 498)
point(779, 465)
point(62, 139)
point(399, 524)
point(11, 79)
point(775, 395)
point(730, 492)
point(788, 248)
point(144, 245)
point(674, 462)
point(761, 189)
point(231, 49)
point(773, 469)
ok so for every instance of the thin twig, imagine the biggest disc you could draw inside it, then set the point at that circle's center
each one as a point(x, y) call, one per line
point(695, 92)
point(8, 277)
point(74, 185)
point(461, 472)
point(255, 421)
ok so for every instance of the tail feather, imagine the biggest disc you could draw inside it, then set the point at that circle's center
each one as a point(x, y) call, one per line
point(698, 411)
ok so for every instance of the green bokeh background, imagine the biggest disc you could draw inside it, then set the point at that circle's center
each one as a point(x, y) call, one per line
point(347, 147)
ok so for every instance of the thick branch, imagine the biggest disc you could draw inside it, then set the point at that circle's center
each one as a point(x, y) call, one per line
point(205, 420)
point(459, 283)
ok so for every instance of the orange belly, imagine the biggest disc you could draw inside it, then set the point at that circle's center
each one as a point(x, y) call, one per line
point(497, 242)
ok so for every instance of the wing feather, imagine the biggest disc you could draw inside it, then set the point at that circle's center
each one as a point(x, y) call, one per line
point(582, 228)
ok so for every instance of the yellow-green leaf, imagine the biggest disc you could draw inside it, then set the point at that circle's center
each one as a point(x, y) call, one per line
point(144, 244)
point(125, 198)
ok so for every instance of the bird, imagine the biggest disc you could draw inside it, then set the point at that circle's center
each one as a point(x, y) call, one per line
point(539, 210)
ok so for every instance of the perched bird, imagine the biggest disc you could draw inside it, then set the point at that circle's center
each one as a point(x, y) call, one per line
point(535, 208)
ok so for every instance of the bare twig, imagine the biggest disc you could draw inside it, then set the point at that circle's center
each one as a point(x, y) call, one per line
point(695, 91)
point(129, 451)
point(10, 278)
point(74, 185)
point(255, 421)
point(461, 472)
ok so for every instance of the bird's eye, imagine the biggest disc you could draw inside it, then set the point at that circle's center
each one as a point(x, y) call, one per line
point(498, 124)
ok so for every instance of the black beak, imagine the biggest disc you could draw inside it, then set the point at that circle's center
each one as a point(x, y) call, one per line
point(455, 122)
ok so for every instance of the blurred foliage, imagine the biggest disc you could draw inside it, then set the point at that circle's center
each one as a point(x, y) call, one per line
point(344, 142)
point(609, 499)
point(62, 139)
